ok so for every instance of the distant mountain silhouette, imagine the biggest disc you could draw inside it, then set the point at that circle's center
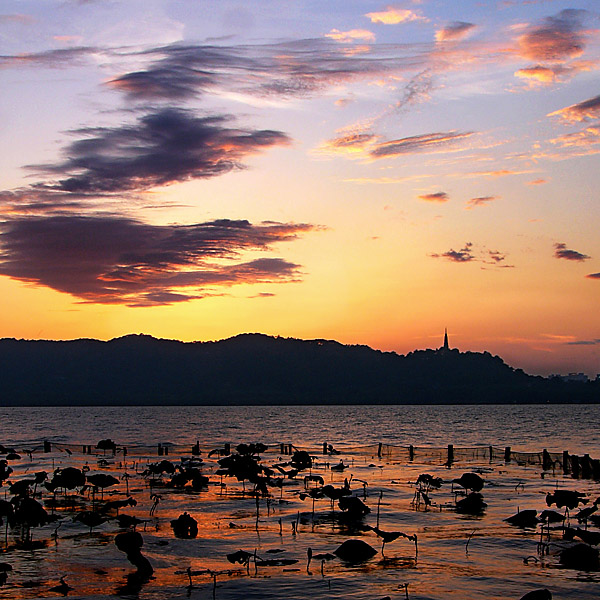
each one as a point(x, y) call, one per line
point(259, 369)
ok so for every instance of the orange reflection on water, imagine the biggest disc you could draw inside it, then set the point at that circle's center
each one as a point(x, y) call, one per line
point(457, 556)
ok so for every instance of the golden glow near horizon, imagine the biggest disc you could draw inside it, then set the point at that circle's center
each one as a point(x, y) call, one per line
point(367, 173)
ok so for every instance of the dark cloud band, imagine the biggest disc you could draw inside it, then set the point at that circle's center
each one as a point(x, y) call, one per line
point(116, 260)
point(164, 146)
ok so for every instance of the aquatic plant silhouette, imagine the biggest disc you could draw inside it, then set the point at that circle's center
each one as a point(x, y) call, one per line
point(538, 595)
point(28, 513)
point(63, 587)
point(524, 518)
point(588, 537)
point(581, 557)
point(106, 444)
point(353, 507)
point(117, 505)
point(472, 504)
point(131, 542)
point(470, 481)
point(301, 460)
point(389, 536)
point(90, 519)
point(5, 471)
point(101, 481)
point(126, 521)
point(5, 568)
point(322, 557)
point(185, 526)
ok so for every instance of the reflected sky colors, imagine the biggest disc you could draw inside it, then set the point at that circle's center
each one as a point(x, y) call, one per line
point(361, 171)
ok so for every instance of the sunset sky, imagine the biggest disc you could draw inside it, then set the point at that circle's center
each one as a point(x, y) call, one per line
point(351, 170)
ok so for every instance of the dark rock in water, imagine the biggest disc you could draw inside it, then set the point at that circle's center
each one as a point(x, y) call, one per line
point(473, 504)
point(185, 526)
point(524, 518)
point(538, 595)
point(581, 557)
point(355, 551)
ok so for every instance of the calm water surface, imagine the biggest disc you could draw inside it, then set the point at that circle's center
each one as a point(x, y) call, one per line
point(490, 566)
point(529, 428)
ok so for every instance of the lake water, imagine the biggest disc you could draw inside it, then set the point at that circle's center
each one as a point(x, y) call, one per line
point(459, 556)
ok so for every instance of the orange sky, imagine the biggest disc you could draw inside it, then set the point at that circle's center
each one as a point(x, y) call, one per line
point(355, 171)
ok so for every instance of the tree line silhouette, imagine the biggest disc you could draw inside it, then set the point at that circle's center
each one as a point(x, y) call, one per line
point(259, 369)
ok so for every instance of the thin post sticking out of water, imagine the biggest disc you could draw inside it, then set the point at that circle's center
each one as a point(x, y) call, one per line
point(450, 455)
point(575, 467)
point(546, 460)
point(507, 454)
point(160, 450)
point(47, 447)
point(411, 453)
point(379, 450)
point(491, 453)
point(378, 505)
point(324, 447)
point(566, 462)
point(586, 467)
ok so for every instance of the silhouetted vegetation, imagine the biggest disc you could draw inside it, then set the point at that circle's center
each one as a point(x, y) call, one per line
point(258, 369)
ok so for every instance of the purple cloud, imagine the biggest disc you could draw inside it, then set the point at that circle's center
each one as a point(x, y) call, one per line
point(428, 142)
point(557, 38)
point(463, 255)
point(456, 30)
point(116, 260)
point(162, 147)
point(435, 197)
point(561, 251)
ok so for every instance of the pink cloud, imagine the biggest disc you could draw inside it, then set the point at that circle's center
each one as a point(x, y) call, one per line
point(435, 197)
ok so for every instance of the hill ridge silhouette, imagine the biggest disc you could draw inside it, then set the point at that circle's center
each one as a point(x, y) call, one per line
point(259, 369)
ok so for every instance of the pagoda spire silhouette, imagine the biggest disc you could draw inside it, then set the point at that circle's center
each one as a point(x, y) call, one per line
point(446, 347)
